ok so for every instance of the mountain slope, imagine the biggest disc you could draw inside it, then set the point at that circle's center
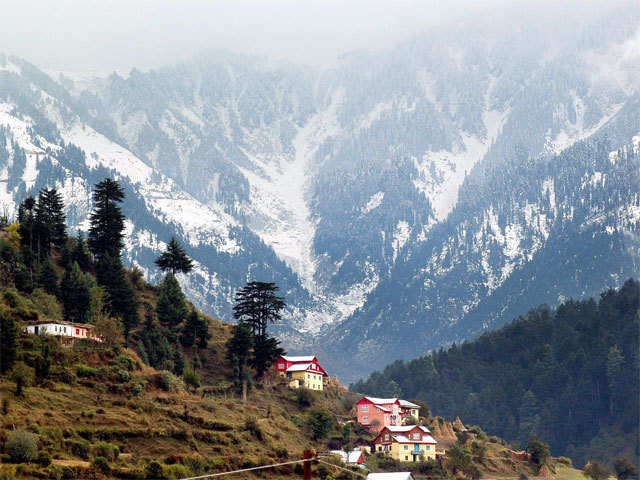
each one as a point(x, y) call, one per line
point(357, 188)
point(568, 376)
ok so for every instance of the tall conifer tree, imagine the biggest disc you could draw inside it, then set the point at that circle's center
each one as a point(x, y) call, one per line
point(172, 307)
point(174, 259)
point(107, 221)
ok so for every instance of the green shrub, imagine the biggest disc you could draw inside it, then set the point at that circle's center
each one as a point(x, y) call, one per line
point(154, 470)
point(195, 464)
point(565, 461)
point(22, 446)
point(176, 471)
point(192, 378)
point(168, 381)
point(281, 452)
point(126, 362)
point(303, 397)
point(85, 371)
point(79, 448)
point(106, 450)
point(123, 376)
point(63, 374)
point(320, 422)
point(251, 425)
point(101, 464)
point(138, 388)
point(44, 459)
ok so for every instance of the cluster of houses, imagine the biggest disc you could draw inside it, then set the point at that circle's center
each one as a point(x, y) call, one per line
point(393, 419)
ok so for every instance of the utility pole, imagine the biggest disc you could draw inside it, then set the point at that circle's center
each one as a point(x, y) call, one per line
point(306, 466)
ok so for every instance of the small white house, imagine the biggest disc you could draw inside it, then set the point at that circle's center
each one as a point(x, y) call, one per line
point(354, 457)
point(60, 329)
point(390, 476)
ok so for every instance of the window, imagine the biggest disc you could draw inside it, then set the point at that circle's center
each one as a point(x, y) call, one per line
point(365, 419)
point(281, 366)
point(416, 436)
point(428, 447)
point(77, 331)
point(406, 447)
point(364, 408)
point(380, 448)
point(386, 436)
point(406, 457)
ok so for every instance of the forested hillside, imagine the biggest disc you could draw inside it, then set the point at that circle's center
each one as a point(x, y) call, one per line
point(568, 376)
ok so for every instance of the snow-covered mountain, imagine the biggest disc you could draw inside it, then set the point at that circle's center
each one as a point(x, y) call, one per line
point(401, 199)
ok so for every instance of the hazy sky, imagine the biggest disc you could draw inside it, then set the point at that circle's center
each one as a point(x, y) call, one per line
point(106, 35)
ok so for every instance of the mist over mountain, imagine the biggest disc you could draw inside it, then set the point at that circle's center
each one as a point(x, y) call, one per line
point(401, 199)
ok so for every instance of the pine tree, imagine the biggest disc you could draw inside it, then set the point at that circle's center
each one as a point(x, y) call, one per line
point(266, 351)
point(178, 362)
point(26, 219)
point(258, 305)
point(174, 259)
point(188, 337)
point(75, 293)
point(80, 253)
point(238, 352)
point(615, 377)
point(107, 221)
point(172, 307)
point(50, 220)
point(48, 278)
point(8, 343)
point(120, 299)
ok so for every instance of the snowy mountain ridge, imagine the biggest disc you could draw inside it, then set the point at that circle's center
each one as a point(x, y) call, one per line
point(396, 200)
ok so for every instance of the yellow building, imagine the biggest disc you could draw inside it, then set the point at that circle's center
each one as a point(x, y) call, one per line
point(302, 372)
point(409, 443)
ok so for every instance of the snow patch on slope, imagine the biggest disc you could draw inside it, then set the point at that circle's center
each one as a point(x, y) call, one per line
point(279, 194)
point(441, 173)
point(200, 224)
point(373, 203)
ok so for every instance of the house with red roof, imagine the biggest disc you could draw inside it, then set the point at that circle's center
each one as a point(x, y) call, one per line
point(377, 413)
point(407, 443)
point(302, 371)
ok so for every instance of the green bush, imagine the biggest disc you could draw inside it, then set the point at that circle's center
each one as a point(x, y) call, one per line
point(192, 378)
point(126, 362)
point(85, 371)
point(138, 388)
point(320, 422)
point(44, 459)
point(106, 450)
point(168, 381)
point(251, 425)
point(176, 471)
point(64, 375)
point(101, 464)
point(22, 446)
point(79, 448)
point(123, 376)
point(195, 464)
point(154, 470)
point(303, 397)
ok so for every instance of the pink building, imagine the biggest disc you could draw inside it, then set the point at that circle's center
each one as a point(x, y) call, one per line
point(378, 413)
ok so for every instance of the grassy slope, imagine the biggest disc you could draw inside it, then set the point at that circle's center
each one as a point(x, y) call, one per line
point(215, 427)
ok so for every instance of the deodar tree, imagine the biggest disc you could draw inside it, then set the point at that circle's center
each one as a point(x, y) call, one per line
point(258, 305)
point(174, 259)
point(106, 235)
